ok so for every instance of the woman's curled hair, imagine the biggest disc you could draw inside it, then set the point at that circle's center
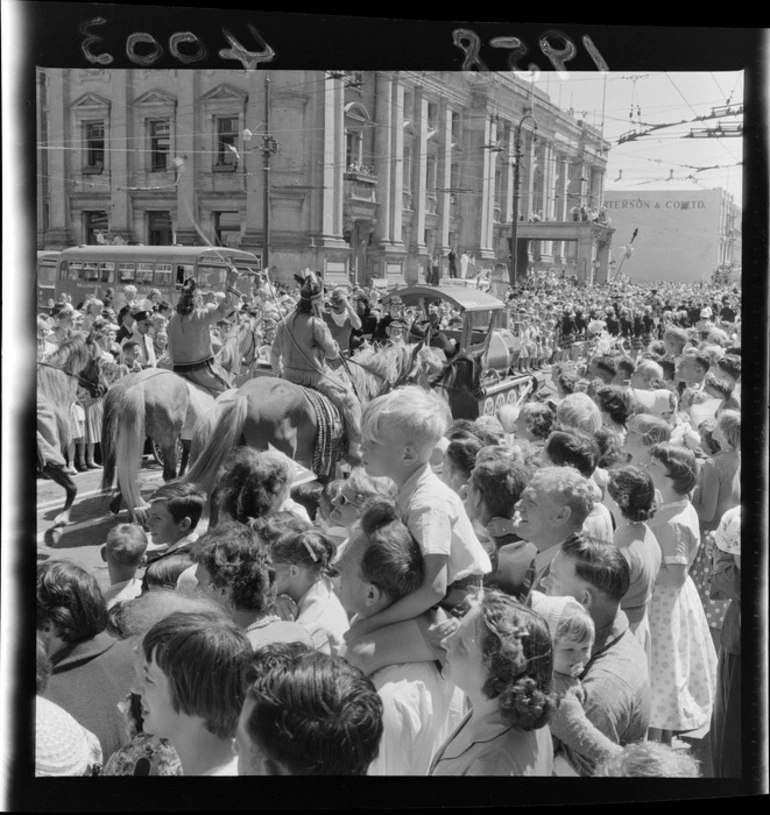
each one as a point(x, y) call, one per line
point(633, 491)
point(517, 653)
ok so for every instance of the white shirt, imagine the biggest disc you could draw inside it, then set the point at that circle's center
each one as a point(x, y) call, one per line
point(421, 710)
point(120, 592)
point(598, 524)
point(436, 517)
point(321, 614)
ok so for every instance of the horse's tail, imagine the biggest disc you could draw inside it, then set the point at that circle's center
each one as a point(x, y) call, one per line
point(123, 441)
point(204, 426)
point(227, 432)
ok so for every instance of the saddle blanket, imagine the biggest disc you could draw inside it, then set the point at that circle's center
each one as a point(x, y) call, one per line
point(331, 443)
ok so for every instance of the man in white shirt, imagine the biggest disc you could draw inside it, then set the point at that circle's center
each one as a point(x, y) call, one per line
point(141, 335)
point(381, 564)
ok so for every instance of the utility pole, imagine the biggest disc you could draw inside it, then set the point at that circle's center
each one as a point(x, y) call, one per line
point(269, 148)
point(512, 271)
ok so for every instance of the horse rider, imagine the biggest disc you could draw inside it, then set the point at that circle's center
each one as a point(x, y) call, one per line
point(302, 347)
point(189, 335)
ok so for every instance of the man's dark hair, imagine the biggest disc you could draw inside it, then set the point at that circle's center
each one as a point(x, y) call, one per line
point(70, 599)
point(313, 713)
point(500, 485)
point(183, 500)
point(600, 563)
point(572, 449)
point(614, 401)
point(204, 657)
point(393, 559)
point(731, 365)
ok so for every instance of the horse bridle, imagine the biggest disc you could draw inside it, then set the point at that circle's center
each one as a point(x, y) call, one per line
point(85, 382)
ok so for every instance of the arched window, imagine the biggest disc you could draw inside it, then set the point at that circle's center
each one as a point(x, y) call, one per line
point(358, 125)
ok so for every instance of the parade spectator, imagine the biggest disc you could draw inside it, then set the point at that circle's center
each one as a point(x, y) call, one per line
point(579, 412)
point(123, 552)
point(140, 335)
point(616, 680)
point(459, 461)
point(683, 675)
point(646, 376)
point(91, 670)
point(191, 688)
point(354, 493)
point(634, 494)
point(341, 318)
point(164, 572)
point(381, 565)
point(175, 510)
point(303, 564)
point(232, 565)
point(500, 655)
point(644, 431)
point(306, 713)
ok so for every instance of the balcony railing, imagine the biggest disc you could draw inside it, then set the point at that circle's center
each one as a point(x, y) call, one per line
point(359, 170)
point(361, 189)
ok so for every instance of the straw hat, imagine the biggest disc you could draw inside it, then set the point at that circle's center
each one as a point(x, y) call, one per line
point(61, 744)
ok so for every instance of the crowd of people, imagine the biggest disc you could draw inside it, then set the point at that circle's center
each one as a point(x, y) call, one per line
point(554, 590)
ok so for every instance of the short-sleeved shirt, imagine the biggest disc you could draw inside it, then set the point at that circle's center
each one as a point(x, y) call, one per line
point(435, 515)
point(644, 557)
point(675, 525)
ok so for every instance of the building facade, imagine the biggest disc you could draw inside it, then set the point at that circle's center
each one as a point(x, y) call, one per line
point(684, 235)
point(375, 173)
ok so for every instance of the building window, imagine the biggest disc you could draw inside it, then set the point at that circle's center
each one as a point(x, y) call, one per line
point(93, 140)
point(455, 126)
point(430, 177)
point(159, 231)
point(432, 115)
point(160, 144)
point(227, 228)
point(353, 149)
point(227, 142)
point(408, 106)
point(407, 168)
point(95, 223)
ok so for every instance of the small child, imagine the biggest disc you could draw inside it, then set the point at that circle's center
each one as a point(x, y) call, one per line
point(573, 636)
point(131, 362)
point(123, 552)
point(400, 431)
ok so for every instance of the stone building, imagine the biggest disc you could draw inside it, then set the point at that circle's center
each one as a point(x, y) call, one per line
point(375, 172)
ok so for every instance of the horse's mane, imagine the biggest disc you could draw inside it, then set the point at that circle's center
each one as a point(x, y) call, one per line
point(376, 369)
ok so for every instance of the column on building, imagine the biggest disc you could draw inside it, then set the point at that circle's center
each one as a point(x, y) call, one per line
point(510, 150)
point(530, 159)
point(486, 248)
point(549, 184)
point(333, 158)
point(563, 204)
point(383, 156)
point(396, 135)
point(189, 122)
point(444, 174)
point(420, 157)
point(59, 234)
point(122, 149)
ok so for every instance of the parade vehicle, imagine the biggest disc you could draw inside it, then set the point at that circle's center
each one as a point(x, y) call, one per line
point(45, 278)
point(478, 379)
point(85, 270)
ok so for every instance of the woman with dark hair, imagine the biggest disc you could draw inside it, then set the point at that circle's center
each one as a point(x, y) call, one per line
point(164, 572)
point(500, 656)
point(459, 461)
point(253, 484)
point(634, 494)
point(615, 406)
point(303, 563)
point(683, 675)
point(92, 672)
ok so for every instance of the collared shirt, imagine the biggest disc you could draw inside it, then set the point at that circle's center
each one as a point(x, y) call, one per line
point(120, 592)
point(146, 354)
point(436, 517)
point(616, 682)
point(497, 748)
point(322, 615)
point(421, 710)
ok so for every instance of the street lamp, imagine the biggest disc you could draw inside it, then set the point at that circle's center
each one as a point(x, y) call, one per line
point(512, 271)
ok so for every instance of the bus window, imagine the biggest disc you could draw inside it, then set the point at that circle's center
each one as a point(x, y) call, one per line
point(126, 272)
point(183, 271)
point(107, 271)
point(211, 277)
point(163, 272)
point(144, 272)
point(75, 270)
point(90, 271)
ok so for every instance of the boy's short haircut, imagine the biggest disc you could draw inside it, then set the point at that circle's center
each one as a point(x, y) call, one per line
point(393, 559)
point(126, 544)
point(576, 628)
point(607, 364)
point(730, 365)
point(204, 658)
point(729, 422)
point(626, 364)
point(615, 401)
point(417, 414)
point(538, 417)
point(129, 344)
point(315, 714)
point(500, 485)
point(650, 367)
point(568, 487)
point(183, 500)
point(164, 572)
point(599, 563)
point(572, 449)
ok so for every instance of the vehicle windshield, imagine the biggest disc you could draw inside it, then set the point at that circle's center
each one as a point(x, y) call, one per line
point(480, 319)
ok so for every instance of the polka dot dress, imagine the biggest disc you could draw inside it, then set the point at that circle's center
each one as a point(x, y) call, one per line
point(701, 575)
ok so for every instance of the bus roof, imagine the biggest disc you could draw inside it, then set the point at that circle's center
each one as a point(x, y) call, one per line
point(139, 252)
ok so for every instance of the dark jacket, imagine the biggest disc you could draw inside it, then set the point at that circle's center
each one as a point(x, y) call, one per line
point(89, 679)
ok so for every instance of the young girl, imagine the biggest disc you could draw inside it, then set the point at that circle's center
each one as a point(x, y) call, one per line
point(572, 633)
point(683, 675)
point(303, 566)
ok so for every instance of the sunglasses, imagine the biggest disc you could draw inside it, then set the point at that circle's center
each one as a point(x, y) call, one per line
point(343, 500)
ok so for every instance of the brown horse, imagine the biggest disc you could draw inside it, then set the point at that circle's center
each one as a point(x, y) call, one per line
point(267, 410)
point(164, 406)
point(76, 362)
